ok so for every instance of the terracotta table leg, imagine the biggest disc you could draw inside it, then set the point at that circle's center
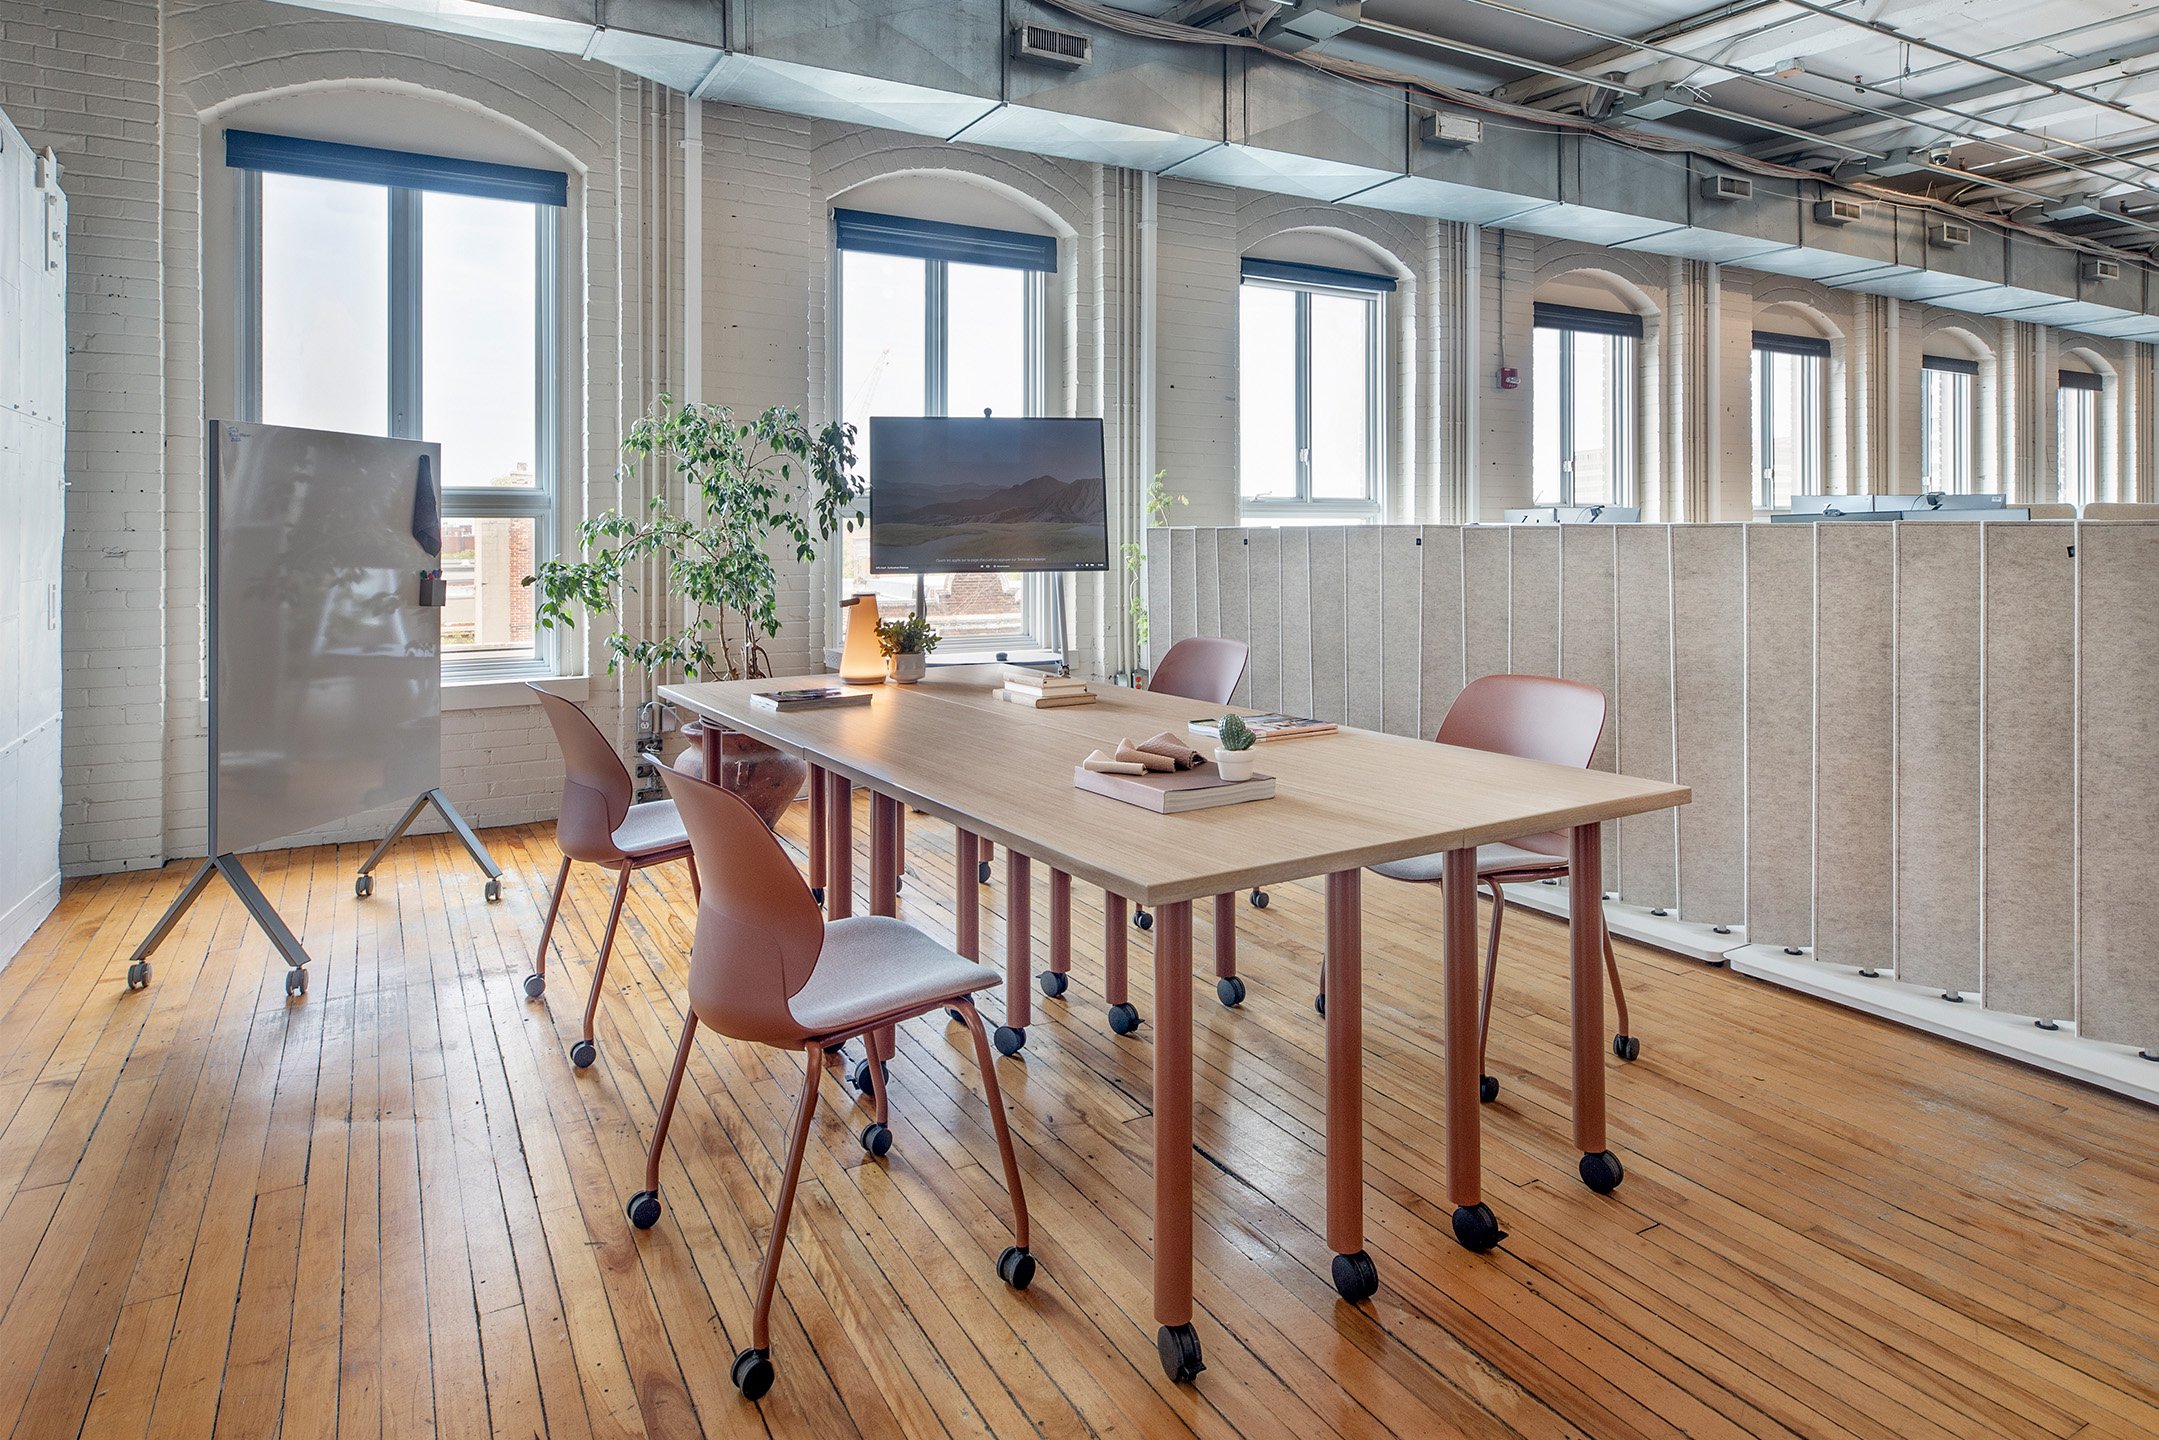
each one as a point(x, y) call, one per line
point(1019, 955)
point(1123, 1014)
point(817, 832)
point(710, 744)
point(1175, 1341)
point(1053, 979)
point(1355, 1277)
point(1226, 984)
point(839, 846)
point(884, 900)
point(1474, 1224)
point(967, 895)
point(1601, 1170)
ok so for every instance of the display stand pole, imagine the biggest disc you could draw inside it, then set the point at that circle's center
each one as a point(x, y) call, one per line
point(258, 905)
point(363, 884)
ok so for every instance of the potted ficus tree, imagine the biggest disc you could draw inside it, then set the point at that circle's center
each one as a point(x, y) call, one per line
point(907, 643)
point(748, 487)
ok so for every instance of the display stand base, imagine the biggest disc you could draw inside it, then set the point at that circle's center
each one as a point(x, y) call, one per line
point(363, 884)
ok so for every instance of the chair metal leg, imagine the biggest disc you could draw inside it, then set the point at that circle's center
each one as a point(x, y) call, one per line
point(880, 1058)
point(667, 1103)
point(583, 1052)
point(547, 929)
point(987, 1065)
point(697, 889)
point(1624, 1045)
point(1491, 974)
point(768, 1276)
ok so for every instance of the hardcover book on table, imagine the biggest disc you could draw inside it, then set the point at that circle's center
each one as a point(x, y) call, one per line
point(1174, 792)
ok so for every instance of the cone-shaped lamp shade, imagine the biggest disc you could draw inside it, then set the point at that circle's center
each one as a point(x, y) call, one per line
point(862, 662)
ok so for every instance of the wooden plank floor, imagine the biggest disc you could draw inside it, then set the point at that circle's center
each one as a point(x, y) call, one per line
point(393, 1208)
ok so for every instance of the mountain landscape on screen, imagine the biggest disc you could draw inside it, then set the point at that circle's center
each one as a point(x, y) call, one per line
point(949, 494)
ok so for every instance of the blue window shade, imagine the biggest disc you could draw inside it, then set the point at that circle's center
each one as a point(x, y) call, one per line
point(1776, 344)
point(1585, 321)
point(938, 240)
point(1320, 276)
point(363, 164)
point(1949, 363)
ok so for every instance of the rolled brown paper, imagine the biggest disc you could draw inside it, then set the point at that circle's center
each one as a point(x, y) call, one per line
point(1179, 753)
point(1133, 755)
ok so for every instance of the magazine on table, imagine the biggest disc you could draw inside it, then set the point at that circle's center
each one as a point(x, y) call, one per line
point(1267, 727)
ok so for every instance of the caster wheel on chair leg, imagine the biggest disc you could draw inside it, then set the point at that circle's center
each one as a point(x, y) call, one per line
point(982, 873)
point(1477, 1228)
point(1124, 1019)
point(1230, 989)
point(955, 1017)
point(1009, 1039)
point(1178, 1345)
point(1602, 1172)
point(1053, 984)
point(1487, 1088)
point(1016, 1267)
point(583, 1053)
point(1626, 1047)
point(1142, 920)
point(1356, 1278)
point(1319, 1003)
point(644, 1209)
point(138, 975)
point(752, 1374)
point(864, 1079)
point(535, 986)
point(493, 890)
point(1259, 899)
point(877, 1139)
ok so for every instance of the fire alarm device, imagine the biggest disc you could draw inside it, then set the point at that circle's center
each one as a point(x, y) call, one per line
point(1509, 378)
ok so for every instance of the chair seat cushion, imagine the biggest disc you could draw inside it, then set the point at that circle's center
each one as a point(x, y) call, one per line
point(652, 826)
point(1491, 860)
point(874, 965)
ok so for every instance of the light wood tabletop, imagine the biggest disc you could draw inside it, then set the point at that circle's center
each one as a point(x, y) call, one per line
point(950, 748)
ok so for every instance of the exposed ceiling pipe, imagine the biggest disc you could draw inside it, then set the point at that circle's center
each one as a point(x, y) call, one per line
point(1502, 57)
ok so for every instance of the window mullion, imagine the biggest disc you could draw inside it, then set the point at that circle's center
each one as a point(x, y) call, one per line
point(405, 319)
point(1303, 365)
point(1566, 417)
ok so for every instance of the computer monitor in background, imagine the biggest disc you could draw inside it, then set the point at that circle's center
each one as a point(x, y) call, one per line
point(981, 494)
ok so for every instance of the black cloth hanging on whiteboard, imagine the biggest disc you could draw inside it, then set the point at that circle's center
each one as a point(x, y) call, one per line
point(427, 511)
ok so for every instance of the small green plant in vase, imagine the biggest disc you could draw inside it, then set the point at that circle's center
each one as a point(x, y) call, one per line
point(1233, 750)
point(907, 643)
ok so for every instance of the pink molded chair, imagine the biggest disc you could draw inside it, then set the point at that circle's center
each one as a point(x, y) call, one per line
point(599, 825)
point(767, 967)
point(1538, 718)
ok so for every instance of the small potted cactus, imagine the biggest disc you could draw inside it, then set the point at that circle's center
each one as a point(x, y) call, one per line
point(1233, 756)
point(907, 644)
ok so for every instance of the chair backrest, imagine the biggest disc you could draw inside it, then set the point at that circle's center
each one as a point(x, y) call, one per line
point(596, 788)
point(1537, 717)
point(759, 930)
point(1205, 668)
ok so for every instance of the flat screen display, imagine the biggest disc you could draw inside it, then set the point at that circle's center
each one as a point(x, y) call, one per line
point(950, 493)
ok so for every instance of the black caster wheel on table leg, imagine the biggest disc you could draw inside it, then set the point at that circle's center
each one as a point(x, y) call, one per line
point(363, 886)
point(583, 1053)
point(1477, 1228)
point(1602, 1172)
point(1053, 984)
point(535, 986)
point(138, 975)
point(296, 983)
point(493, 891)
point(1259, 899)
point(1016, 1267)
point(1124, 1019)
point(865, 1079)
point(644, 1209)
point(1141, 920)
point(982, 873)
point(1178, 1345)
point(1487, 1089)
point(1230, 990)
point(877, 1139)
point(752, 1374)
point(1627, 1048)
point(1009, 1039)
point(1319, 1003)
point(1356, 1278)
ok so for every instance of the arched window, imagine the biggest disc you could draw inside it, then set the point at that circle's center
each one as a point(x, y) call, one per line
point(1585, 350)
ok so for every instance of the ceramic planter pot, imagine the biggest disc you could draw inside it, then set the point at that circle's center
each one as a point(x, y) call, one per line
point(767, 779)
point(908, 668)
point(1234, 764)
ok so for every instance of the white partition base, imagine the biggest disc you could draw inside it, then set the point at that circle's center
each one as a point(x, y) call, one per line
point(2111, 1067)
point(1638, 923)
point(22, 918)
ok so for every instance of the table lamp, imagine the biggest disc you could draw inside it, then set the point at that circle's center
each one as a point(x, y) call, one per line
point(862, 659)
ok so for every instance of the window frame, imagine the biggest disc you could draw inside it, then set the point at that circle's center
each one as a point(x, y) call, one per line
point(1038, 621)
point(1964, 450)
point(1570, 322)
point(1814, 353)
point(1304, 282)
point(2085, 390)
point(541, 501)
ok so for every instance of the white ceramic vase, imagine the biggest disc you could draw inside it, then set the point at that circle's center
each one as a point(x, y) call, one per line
point(908, 668)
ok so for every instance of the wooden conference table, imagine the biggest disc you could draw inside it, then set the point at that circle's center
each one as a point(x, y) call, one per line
point(1003, 773)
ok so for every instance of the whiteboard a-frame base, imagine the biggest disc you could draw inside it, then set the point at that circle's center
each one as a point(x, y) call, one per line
point(363, 884)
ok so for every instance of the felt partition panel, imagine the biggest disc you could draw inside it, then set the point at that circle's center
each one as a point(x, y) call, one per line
point(1207, 613)
point(1440, 670)
point(1330, 631)
point(2118, 784)
point(1708, 703)
point(1937, 794)
point(1183, 584)
point(1233, 583)
point(1401, 626)
point(1647, 845)
point(1263, 576)
point(1364, 627)
point(1159, 561)
point(1533, 617)
point(1297, 621)
point(2030, 798)
point(1780, 734)
point(1855, 748)
point(1487, 594)
point(1588, 639)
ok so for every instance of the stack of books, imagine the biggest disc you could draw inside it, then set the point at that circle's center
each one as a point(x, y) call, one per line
point(1042, 690)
